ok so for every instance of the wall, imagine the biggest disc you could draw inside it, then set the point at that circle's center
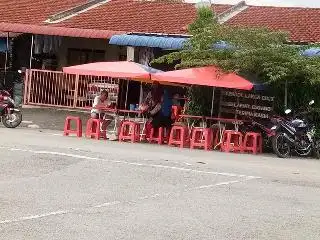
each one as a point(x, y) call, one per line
point(112, 52)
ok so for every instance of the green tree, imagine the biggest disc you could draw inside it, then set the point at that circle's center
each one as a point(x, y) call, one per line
point(254, 51)
point(259, 54)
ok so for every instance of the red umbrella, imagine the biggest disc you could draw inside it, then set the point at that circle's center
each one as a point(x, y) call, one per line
point(206, 76)
point(122, 69)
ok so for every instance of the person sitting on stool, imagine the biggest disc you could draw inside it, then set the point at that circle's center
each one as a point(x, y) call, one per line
point(102, 101)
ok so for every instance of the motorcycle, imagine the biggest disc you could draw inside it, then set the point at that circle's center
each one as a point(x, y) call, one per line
point(295, 134)
point(10, 116)
point(264, 128)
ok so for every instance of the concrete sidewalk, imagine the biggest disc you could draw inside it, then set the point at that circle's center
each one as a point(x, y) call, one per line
point(50, 118)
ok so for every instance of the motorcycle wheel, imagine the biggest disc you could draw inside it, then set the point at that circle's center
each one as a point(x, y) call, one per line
point(304, 153)
point(12, 120)
point(280, 146)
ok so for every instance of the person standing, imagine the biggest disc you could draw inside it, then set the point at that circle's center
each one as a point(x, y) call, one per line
point(158, 105)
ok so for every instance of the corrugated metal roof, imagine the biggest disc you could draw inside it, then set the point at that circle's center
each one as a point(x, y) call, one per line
point(164, 42)
point(311, 52)
point(56, 31)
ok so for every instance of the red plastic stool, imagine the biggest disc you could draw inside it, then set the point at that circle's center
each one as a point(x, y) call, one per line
point(158, 136)
point(232, 141)
point(129, 131)
point(253, 142)
point(179, 135)
point(201, 138)
point(93, 129)
point(67, 126)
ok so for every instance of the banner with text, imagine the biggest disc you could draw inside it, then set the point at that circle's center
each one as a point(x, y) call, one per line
point(245, 104)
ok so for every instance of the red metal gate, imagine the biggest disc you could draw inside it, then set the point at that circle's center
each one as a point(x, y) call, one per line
point(58, 89)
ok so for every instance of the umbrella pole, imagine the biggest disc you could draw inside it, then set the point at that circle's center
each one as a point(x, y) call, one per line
point(31, 51)
point(141, 94)
point(213, 91)
point(125, 104)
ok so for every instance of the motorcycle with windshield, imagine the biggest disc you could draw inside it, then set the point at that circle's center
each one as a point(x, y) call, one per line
point(297, 134)
point(10, 116)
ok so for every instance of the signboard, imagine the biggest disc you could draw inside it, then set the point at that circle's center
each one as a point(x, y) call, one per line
point(245, 104)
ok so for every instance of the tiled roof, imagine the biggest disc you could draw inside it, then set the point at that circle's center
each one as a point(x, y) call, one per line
point(33, 11)
point(160, 16)
point(139, 16)
point(303, 24)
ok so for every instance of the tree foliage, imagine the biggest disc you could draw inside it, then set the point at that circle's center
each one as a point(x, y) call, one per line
point(253, 52)
point(259, 54)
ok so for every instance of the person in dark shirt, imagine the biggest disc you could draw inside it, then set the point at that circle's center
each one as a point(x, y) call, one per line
point(158, 105)
point(176, 100)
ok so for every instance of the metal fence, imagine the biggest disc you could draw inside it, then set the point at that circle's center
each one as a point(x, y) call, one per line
point(58, 89)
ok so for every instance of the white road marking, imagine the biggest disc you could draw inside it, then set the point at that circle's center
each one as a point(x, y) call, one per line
point(133, 163)
point(27, 122)
point(56, 134)
point(188, 164)
point(217, 184)
point(34, 126)
point(108, 204)
point(36, 216)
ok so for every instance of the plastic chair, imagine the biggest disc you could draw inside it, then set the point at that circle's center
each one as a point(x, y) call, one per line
point(201, 138)
point(253, 142)
point(67, 126)
point(179, 135)
point(158, 136)
point(232, 141)
point(93, 129)
point(129, 131)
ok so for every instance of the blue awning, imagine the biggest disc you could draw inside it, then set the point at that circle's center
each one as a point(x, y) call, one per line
point(311, 52)
point(164, 42)
point(3, 44)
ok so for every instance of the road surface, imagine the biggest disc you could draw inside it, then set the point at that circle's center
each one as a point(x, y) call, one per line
point(54, 187)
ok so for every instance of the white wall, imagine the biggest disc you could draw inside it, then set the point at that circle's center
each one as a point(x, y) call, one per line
point(112, 51)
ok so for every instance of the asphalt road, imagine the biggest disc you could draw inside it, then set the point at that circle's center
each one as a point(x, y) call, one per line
point(54, 187)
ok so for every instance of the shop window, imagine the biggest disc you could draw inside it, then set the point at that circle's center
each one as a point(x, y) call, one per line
point(83, 56)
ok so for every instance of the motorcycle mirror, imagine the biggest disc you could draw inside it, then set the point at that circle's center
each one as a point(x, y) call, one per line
point(311, 102)
point(287, 111)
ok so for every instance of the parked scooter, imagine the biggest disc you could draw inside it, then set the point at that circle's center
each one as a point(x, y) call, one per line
point(10, 116)
point(295, 134)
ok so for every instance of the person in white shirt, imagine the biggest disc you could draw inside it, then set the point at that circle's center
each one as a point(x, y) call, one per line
point(102, 101)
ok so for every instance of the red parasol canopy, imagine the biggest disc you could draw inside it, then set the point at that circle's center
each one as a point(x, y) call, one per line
point(205, 76)
point(122, 69)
